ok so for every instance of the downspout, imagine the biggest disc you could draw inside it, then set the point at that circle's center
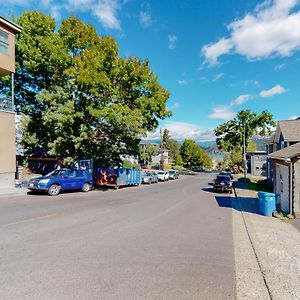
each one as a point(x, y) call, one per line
point(13, 91)
point(291, 188)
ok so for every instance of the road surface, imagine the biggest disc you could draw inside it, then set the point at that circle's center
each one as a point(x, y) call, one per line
point(169, 240)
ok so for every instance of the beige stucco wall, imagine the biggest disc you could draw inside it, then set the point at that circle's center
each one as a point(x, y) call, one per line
point(7, 142)
point(296, 186)
point(7, 62)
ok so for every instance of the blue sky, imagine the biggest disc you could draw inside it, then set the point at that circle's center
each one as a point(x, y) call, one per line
point(215, 57)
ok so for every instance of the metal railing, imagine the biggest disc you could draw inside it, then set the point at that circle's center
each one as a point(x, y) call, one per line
point(6, 103)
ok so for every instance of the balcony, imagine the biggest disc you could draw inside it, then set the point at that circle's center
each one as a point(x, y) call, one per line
point(6, 104)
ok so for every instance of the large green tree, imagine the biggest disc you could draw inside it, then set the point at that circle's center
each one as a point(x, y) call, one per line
point(194, 156)
point(79, 97)
point(172, 145)
point(246, 123)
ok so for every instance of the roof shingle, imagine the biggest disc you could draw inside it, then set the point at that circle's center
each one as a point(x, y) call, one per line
point(286, 153)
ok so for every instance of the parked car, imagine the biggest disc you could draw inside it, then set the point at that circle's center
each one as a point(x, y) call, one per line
point(173, 174)
point(163, 175)
point(149, 177)
point(187, 172)
point(62, 180)
point(226, 173)
point(223, 183)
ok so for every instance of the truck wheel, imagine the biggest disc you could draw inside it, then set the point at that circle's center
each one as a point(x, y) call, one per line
point(54, 190)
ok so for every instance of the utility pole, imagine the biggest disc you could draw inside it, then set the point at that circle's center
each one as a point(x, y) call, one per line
point(244, 155)
point(161, 151)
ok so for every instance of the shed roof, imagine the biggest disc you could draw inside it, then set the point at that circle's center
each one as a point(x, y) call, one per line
point(290, 130)
point(286, 153)
point(15, 28)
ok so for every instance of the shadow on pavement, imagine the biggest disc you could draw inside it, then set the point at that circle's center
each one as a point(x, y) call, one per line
point(249, 205)
point(246, 204)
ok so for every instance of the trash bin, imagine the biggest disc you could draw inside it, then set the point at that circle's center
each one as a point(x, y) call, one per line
point(267, 203)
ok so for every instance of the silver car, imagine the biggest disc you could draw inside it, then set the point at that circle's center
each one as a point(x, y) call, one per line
point(149, 177)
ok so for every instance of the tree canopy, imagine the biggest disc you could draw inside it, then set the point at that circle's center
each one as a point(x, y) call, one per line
point(248, 123)
point(194, 156)
point(78, 96)
point(172, 145)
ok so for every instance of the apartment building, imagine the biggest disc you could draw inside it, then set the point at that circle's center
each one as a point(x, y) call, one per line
point(8, 30)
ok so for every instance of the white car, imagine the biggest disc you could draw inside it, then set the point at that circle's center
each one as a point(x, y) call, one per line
point(163, 175)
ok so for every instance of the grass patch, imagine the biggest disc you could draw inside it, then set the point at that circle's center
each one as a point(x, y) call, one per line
point(257, 185)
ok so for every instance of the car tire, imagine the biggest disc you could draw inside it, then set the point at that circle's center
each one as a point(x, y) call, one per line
point(54, 190)
point(86, 187)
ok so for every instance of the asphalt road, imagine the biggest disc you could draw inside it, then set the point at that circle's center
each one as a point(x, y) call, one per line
point(164, 241)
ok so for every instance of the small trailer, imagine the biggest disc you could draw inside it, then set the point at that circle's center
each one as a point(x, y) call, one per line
point(117, 177)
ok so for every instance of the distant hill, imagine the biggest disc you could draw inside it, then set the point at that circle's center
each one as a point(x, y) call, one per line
point(211, 146)
point(260, 142)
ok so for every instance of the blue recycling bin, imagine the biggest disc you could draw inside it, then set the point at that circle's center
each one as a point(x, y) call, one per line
point(267, 203)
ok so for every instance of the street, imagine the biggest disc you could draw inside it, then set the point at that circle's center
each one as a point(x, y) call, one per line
point(162, 241)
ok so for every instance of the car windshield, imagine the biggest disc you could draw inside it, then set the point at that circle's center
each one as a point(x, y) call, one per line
point(161, 173)
point(171, 172)
point(224, 174)
point(147, 174)
point(223, 178)
point(56, 173)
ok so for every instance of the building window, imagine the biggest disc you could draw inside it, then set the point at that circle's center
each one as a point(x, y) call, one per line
point(4, 42)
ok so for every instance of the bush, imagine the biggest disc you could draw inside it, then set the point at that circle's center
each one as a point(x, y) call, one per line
point(244, 180)
point(136, 166)
point(265, 184)
point(127, 164)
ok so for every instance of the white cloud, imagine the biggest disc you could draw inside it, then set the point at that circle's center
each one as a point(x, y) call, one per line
point(241, 99)
point(146, 15)
point(182, 130)
point(56, 12)
point(218, 76)
point(213, 51)
point(15, 2)
point(200, 68)
point(172, 41)
point(82, 5)
point(222, 113)
point(175, 105)
point(279, 67)
point(276, 90)
point(255, 83)
point(181, 81)
point(268, 31)
point(203, 79)
point(107, 13)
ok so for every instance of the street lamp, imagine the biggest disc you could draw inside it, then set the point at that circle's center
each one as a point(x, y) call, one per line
point(244, 155)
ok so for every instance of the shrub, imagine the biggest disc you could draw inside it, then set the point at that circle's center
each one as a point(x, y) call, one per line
point(244, 180)
point(127, 164)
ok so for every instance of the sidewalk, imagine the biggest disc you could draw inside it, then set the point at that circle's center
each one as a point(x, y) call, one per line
point(276, 246)
point(13, 192)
